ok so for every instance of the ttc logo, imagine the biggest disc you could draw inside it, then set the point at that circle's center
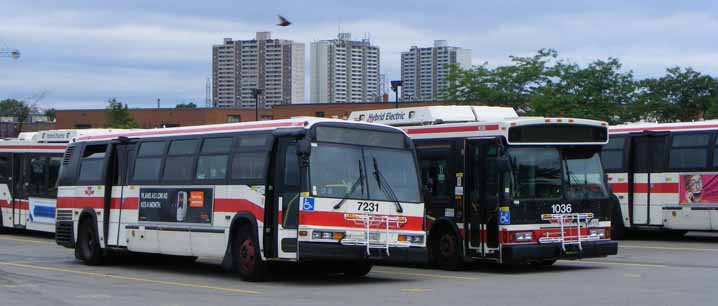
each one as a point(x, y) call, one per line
point(308, 204)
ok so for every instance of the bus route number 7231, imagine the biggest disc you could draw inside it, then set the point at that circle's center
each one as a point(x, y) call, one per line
point(368, 206)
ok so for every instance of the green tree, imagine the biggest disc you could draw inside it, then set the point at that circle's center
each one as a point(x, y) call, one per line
point(51, 114)
point(20, 110)
point(598, 91)
point(186, 105)
point(510, 85)
point(117, 115)
point(683, 94)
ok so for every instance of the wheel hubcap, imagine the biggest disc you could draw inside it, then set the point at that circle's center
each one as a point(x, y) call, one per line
point(447, 246)
point(247, 255)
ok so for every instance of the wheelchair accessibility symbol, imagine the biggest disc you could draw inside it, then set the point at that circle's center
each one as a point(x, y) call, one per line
point(308, 204)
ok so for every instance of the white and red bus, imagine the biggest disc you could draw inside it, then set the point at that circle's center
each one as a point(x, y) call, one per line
point(305, 189)
point(665, 175)
point(29, 166)
point(505, 188)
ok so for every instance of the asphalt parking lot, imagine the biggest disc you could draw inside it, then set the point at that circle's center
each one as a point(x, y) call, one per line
point(649, 270)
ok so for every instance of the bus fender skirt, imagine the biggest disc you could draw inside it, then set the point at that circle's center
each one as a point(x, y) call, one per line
point(241, 216)
point(441, 222)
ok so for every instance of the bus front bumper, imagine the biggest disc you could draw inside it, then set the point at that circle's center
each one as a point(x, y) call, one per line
point(553, 251)
point(338, 252)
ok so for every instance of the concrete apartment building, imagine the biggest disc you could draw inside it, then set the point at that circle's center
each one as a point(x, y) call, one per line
point(275, 66)
point(424, 70)
point(344, 71)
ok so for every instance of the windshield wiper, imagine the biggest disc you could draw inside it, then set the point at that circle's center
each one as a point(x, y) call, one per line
point(358, 182)
point(385, 187)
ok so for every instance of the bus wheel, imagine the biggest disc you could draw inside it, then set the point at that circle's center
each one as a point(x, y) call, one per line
point(357, 269)
point(446, 249)
point(88, 244)
point(247, 260)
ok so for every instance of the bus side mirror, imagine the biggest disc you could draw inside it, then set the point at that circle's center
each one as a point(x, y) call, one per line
point(304, 147)
point(503, 165)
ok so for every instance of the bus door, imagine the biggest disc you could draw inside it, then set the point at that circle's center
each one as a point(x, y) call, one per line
point(20, 184)
point(115, 201)
point(483, 197)
point(647, 159)
point(283, 212)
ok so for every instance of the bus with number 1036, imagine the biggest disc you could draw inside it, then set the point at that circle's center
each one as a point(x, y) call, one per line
point(508, 189)
point(298, 190)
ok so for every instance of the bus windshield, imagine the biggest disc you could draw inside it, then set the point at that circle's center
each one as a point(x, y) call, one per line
point(552, 173)
point(348, 171)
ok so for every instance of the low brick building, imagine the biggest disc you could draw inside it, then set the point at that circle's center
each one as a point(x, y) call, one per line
point(172, 117)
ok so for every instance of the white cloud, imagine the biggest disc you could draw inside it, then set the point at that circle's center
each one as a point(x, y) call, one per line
point(145, 55)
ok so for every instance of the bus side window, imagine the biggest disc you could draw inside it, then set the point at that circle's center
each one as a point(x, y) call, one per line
point(5, 168)
point(53, 171)
point(148, 162)
point(37, 182)
point(249, 161)
point(435, 172)
point(91, 164)
point(212, 162)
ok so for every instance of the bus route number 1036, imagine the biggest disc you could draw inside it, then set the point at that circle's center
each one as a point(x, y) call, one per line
point(561, 208)
point(368, 206)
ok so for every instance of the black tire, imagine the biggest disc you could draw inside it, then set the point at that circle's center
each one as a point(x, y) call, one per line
point(357, 269)
point(247, 261)
point(88, 247)
point(446, 249)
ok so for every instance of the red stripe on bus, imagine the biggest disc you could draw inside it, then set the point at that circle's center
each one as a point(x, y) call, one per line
point(31, 147)
point(80, 202)
point(454, 129)
point(196, 130)
point(619, 187)
point(658, 128)
point(325, 218)
point(656, 188)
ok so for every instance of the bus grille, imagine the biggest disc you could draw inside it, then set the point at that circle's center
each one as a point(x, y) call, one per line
point(64, 229)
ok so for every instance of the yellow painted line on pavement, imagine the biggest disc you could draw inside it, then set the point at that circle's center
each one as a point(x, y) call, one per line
point(615, 263)
point(4, 237)
point(444, 276)
point(666, 248)
point(129, 278)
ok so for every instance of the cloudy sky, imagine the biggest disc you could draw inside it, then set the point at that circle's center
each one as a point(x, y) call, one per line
point(83, 52)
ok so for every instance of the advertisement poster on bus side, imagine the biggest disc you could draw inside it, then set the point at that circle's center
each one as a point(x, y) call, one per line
point(698, 188)
point(178, 205)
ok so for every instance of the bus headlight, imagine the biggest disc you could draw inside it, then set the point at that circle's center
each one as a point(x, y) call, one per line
point(523, 236)
point(597, 232)
point(414, 239)
point(327, 235)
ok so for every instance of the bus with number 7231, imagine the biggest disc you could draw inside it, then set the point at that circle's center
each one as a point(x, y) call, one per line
point(298, 190)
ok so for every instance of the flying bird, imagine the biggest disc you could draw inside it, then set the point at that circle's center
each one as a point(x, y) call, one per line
point(283, 22)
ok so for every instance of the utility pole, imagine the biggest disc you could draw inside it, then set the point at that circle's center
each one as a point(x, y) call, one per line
point(256, 92)
point(158, 103)
point(395, 87)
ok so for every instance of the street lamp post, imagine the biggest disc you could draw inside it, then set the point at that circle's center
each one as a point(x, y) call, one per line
point(256, 92)
point(395, 87)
